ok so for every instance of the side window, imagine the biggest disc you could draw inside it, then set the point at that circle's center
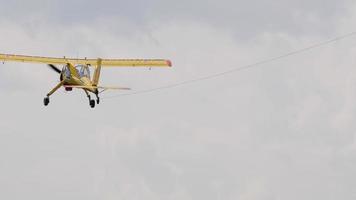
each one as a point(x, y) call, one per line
point(79, 72)
point(67, 72)
point(87, 72)
point(84, 72)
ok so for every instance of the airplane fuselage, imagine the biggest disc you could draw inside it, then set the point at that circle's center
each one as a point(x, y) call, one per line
point(77, 76)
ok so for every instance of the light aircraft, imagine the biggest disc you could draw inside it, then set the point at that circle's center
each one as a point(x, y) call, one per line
point(75, 73)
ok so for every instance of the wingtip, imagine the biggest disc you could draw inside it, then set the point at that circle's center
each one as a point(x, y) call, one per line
point(169, 63)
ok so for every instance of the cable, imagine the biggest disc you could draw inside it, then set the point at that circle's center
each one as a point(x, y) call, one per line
point(237, 69)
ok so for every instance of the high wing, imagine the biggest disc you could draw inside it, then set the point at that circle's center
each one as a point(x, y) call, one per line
point(93, 62)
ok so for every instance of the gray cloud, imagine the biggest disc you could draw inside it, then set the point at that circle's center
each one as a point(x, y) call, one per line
point(244, 18)
point(282, 131)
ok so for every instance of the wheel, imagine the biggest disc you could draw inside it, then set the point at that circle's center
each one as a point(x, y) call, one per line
point(92, 103)
point(46, 101)
point(98, 101)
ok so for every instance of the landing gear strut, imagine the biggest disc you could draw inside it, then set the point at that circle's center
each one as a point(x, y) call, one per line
point(97, 98)
point(46, 99)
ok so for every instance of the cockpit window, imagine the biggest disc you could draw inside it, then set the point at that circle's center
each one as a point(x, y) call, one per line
point(83, 71)
point(67, 72)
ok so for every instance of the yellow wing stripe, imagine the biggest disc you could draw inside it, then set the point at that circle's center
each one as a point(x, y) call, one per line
point(93, 62)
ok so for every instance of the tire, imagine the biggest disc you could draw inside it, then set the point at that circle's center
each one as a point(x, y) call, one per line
point(92, 103)
point(46, 101)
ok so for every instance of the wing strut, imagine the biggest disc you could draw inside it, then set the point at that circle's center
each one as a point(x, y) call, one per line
point(96, 76)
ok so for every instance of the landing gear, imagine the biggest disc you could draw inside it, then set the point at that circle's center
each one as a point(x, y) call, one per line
point(97, 98)
point(46, 101)
point(92, 103)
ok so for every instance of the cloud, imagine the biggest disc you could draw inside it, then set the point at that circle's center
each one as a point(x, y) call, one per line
point(281, 131)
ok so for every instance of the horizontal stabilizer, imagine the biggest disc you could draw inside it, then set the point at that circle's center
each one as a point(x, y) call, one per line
point(97, 87)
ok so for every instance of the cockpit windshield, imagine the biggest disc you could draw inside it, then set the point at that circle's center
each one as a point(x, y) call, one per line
point(83, 71)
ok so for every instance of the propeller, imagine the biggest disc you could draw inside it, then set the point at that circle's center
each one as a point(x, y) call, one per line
point(54, 68)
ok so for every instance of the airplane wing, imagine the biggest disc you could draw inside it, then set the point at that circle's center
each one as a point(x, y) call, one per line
point(85, 61)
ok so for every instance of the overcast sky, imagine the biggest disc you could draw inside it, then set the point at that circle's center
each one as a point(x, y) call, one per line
point(284, 130)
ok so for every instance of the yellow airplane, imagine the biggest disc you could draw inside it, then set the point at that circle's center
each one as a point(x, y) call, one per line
point(76, 74)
